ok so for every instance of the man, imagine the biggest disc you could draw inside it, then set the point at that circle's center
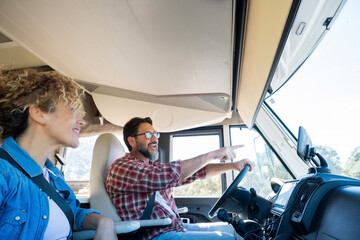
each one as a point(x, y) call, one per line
point(134, 178)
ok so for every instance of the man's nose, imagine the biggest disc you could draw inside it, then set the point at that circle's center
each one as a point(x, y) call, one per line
point(154, 138)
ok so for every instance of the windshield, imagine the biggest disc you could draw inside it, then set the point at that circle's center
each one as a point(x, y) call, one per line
point(324, 95)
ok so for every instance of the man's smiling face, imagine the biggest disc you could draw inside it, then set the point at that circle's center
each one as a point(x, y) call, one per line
point(147, 147)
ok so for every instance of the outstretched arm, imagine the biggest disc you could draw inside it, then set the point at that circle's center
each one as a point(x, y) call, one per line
point(213, 169)
point(192, 165)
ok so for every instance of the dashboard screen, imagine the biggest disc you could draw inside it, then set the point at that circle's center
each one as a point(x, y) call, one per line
point(284, 195)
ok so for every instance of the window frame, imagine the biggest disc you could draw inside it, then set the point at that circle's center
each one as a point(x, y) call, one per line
point(255, 127)
point(166, 144)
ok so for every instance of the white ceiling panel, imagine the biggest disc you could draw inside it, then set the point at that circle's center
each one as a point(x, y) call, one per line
point(160, 47)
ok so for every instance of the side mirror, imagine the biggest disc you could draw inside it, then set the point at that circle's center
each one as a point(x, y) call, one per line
point(276, 184)
point(265, 158)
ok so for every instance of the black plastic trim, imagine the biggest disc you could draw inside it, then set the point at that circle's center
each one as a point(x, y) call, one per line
point(240, 19)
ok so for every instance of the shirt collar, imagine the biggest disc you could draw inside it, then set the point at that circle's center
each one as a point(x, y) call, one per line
point(22, 157)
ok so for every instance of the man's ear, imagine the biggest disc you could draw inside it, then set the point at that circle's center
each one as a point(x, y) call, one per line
point(37, 115)
point(132, 141)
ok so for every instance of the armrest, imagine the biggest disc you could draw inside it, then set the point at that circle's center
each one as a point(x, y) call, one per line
point(182, 210)
point(120, 228)
point(155, 222)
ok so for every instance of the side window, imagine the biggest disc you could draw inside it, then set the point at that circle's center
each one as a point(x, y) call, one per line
point(267, 165)
point(78, 164)
point(192, 145)
point(78, 160)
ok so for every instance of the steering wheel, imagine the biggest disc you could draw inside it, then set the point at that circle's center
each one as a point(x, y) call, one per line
point(229, 191)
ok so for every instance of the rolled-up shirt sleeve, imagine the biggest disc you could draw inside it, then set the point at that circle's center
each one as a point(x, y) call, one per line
point(201, 174)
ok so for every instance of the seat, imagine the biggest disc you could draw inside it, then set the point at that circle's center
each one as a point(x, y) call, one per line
point(108, 148)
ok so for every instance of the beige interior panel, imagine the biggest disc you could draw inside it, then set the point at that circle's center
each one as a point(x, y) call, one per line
point(13, 56)
point(260, 44)
point(166, 118)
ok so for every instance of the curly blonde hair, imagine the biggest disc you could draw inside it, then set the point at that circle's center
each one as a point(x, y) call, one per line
point(29, 88)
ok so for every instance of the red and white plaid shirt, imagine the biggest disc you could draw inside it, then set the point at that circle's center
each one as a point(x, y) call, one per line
point(131, 182)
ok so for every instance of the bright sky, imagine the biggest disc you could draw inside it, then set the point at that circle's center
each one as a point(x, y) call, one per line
point(324, 95)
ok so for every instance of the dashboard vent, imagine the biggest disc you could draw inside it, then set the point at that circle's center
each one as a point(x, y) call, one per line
point(304, 195)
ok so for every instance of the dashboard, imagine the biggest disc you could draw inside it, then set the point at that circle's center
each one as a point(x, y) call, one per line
point(316, 207)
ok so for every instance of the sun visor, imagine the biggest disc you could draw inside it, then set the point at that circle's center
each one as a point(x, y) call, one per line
point(264, 28)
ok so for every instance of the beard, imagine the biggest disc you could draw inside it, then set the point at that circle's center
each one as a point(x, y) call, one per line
point(146, 153)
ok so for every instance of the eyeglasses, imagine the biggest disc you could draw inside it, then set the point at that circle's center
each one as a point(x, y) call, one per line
point(149, 135)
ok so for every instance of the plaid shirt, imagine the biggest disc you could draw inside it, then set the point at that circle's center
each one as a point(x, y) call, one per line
point(131, 182)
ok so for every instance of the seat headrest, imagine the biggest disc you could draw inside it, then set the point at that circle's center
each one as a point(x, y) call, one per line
point(107, 149)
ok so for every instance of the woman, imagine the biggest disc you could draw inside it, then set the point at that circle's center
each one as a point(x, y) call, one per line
point(40, 112)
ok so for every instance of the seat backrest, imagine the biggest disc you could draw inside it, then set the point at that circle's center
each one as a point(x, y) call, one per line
point(107, 149)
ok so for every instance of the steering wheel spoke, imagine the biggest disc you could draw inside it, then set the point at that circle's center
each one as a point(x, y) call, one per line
point(231, 191)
